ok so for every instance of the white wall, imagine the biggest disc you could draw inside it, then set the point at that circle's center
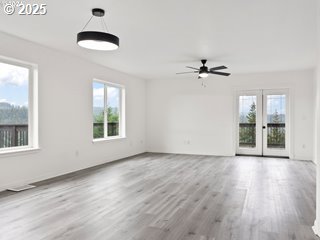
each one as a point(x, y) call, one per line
point(65, 116)
point(184, 117)
point(316, 227)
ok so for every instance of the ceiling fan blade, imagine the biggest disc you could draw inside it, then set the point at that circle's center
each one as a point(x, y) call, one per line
point(187, 72)
point(218, 68)
point(220, 73)
point(193, 68)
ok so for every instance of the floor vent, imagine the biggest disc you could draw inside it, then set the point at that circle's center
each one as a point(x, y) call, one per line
point(20, 188)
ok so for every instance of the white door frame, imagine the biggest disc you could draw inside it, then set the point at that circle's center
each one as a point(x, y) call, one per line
point(258, 149)
point(261, 120)
point(273, 151)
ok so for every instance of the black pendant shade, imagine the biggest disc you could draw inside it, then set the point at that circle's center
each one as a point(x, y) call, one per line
point(97, 40)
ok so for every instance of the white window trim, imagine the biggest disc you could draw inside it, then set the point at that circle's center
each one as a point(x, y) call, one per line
point(122, 122)
point(33, 139)
point(18, 150)
point(113, 138)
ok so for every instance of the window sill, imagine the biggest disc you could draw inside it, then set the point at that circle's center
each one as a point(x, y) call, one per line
point(18, 151)
point(107, 139)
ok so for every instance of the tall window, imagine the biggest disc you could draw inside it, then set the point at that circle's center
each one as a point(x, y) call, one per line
point(108, 110)
point(16, 106)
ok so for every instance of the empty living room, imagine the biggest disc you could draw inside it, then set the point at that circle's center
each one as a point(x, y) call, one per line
point(160, 120)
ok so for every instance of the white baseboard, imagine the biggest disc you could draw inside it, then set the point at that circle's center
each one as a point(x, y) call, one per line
point(315, 228)
point(50, 175)
point(302, 158)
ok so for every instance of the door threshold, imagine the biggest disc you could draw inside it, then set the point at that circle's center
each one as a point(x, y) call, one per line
point(266, 156)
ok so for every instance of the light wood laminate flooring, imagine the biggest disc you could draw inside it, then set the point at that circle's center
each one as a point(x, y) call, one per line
point(169, 196)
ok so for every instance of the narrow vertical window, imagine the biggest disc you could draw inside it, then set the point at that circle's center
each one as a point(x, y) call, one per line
point(17, 122)
point(113, 110)
point(98, 110)
point(108, 110)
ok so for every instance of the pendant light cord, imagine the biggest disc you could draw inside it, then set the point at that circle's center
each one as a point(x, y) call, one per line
point(86, 24)
point(104, 25)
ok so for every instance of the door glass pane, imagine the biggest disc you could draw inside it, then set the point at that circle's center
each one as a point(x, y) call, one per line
point(14, 95)
point(276, 118)
point(98, 110)
point(247, 121)
point(113, 102)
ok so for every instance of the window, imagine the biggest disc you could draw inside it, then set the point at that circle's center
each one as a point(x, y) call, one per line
point(17, 108)
point(108, 110)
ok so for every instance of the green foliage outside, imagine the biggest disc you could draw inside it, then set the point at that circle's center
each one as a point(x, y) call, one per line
point(276, 136)
point(247, 135)
point(113, 123)
point(11, 114)
point(251, 117)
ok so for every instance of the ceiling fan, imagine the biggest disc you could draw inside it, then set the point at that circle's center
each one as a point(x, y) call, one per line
point(204, 71)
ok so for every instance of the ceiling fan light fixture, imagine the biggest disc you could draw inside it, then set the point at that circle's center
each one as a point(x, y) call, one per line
point(96, 40)
point(204, 71)
point(203, 74)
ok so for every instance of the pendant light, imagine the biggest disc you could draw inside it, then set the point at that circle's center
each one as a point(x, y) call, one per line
point(96, 40)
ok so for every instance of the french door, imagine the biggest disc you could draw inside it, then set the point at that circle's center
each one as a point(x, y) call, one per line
point(263, 123)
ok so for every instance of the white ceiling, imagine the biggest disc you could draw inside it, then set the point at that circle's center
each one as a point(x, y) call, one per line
point(160, 37)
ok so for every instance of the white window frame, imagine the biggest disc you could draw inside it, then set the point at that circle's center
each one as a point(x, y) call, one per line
point(122, 122)
point(33, 139)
